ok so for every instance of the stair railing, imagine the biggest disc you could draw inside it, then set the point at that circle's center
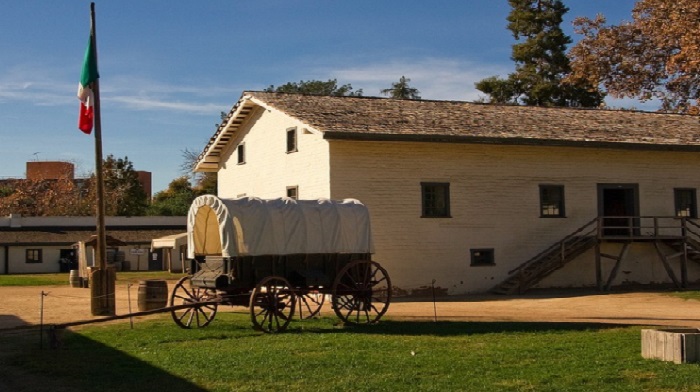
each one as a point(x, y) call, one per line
point(592, 226)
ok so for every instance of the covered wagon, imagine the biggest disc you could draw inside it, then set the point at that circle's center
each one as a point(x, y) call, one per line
point(279, 256)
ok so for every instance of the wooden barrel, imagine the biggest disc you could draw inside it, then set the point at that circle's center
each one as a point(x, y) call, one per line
point(74, 279)
point(153, 294)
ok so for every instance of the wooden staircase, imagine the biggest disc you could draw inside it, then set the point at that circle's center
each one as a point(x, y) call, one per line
point(550, 260)
point(692, 247)
point(681, 234)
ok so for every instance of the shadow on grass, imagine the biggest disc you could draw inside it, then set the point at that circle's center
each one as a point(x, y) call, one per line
point(8, 321)
point(458, 328)
point(81, 365)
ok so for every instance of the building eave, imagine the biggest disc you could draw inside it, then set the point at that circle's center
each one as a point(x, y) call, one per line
point(359, 136)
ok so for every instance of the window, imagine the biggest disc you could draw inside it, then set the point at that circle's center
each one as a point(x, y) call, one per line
point(293, 192)
point(435, 199)
point(33, 255)
point(291, 140)
point(686, 202)
point(241, 154)
point(481, 257)
point(552, 201)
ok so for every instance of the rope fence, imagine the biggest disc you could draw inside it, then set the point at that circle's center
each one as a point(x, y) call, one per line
point(418, 292)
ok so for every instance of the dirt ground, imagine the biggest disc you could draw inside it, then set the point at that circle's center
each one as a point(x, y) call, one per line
point(21, 307)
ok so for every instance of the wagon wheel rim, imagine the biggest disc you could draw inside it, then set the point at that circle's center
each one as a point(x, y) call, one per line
point(310, 304)
point(272, 305)
point(196, 316)
point(361, 292)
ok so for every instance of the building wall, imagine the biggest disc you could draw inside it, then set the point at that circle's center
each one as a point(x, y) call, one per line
point(49, 170)
point(50, 257)
point(268, 168)
point(3, 270)
point(494, 193)
point(145, 179)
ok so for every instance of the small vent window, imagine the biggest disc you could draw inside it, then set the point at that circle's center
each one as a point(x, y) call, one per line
point(291, 140)
point(241, 154)
point(482, 257)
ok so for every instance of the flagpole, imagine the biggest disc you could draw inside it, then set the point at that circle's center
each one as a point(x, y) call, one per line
point(106, 279)
point(101, 235)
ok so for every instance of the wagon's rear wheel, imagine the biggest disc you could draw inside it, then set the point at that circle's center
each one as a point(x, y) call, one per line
point(272, 305)
point(310, 304)
point(196, 316)
point(361, 292)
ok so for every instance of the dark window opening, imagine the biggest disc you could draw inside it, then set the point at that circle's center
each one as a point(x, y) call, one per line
point(686, 202)
point(241, 154)
point(291, 140)
point(552, 201)
point(435, 200)
point(33, 256)
point(293, 192)
point(480, 257)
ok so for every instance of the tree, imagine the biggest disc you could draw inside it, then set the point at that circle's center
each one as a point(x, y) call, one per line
point(401, 90)
point(541, 61)
point(657, 55)
point(205, 183)
point(174, 201)
point(316, 87)
point(124, 194)
point(59, 197)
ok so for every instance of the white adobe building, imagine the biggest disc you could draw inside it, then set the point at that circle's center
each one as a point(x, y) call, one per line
point(474, 195)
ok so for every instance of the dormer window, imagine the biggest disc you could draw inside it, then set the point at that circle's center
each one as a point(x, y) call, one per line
point(291, 140)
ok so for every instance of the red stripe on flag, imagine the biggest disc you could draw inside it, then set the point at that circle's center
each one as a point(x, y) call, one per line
point(86, 118)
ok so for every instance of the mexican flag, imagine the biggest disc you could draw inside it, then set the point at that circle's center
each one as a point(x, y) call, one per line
point(88, 77)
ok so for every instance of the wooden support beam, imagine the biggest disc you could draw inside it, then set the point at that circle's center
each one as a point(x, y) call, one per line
point(598, 268)
point(666, 264)
point(616, 268)
point(684, 265)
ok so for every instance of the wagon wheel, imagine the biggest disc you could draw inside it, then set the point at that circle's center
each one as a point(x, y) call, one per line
point(197, 316)
point(272, 305)
point(310, 304)
point(361, 292)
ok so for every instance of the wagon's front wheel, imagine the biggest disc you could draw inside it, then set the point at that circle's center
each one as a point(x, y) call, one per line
point(361, 292)
point(272, 305)
point(197, 315)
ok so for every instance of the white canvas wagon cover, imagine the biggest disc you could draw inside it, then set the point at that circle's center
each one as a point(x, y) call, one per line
point(254, 227)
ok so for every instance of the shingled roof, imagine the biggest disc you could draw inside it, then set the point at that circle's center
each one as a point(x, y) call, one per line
point(366, 118)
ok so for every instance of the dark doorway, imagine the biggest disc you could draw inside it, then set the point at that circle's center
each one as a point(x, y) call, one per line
point(67, 260)
point(155, 260)
point(617, 202)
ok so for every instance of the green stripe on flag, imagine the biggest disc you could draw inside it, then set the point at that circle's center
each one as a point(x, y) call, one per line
point(89, 73)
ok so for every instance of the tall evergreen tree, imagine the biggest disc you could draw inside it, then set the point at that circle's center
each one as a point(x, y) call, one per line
point(541, 61)
point(401, 90)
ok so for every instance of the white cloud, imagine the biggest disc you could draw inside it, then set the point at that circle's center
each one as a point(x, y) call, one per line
point(436, 78)
point(45, 87)
point(146, 103)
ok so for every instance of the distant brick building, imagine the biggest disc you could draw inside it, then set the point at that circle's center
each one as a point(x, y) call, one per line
point(50, 170)
point(57, 170)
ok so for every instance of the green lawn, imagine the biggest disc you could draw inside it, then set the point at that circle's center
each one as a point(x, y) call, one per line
point(319, 355)
point(63, 278)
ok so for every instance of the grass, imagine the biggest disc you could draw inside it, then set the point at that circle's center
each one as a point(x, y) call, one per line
point(687, 295)
point(321, 355)
point(63, 278)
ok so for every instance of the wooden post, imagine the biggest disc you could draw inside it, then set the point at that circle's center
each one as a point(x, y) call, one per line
point(598, 267)
point(101, 304)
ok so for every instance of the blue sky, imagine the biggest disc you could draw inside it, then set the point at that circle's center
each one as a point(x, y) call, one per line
point(168, 68)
